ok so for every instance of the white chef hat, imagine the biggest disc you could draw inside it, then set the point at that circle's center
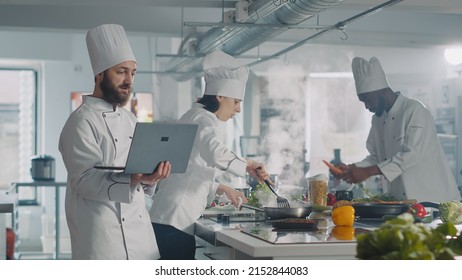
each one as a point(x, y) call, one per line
point(224, 76)
point(107, 46)
point(369, 75)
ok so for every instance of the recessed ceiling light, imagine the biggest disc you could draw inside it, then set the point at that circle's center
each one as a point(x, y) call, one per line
point(453, 55)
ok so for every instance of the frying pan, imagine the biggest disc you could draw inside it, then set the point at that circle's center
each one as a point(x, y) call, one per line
point(377, 210)
point(276, 213)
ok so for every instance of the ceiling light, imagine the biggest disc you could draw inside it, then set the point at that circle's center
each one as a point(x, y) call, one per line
point(453, 56)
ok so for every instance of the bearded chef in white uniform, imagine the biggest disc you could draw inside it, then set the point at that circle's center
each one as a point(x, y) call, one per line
point(105, 210)
point(402, 143)
point(180, 200)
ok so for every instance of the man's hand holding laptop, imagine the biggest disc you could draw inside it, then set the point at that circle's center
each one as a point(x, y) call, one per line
point(162, 171)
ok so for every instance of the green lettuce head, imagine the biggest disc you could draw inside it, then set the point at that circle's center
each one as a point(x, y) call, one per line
point(451, 212)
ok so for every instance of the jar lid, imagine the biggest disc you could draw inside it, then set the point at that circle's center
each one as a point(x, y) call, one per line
point(42, 157)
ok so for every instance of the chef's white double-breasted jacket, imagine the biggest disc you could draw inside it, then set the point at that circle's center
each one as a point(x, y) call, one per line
point(181, 198)
point(107, 218)
point(404, 145)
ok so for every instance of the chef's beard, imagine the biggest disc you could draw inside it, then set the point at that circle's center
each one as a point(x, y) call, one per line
point(111, 94)
point(381, 106)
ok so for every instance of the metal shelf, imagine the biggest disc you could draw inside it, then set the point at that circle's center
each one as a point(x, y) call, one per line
point(15, 221)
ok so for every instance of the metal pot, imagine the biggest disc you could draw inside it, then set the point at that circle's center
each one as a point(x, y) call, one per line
point(276, 213)
point(42, 168)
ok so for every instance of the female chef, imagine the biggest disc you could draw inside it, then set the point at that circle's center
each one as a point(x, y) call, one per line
point(180, 199)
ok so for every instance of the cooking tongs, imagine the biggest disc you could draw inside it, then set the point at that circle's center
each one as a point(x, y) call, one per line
point(281, 201)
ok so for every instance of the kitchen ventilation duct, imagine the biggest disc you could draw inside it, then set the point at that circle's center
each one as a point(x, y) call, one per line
point(236, 40)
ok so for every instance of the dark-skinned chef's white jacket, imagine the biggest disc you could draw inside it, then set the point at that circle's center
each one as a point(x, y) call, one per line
point(181, 198)
point(107, 218)
point(404, 145)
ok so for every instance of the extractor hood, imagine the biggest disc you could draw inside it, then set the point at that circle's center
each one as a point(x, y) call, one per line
point(235, 39)
point(251, 24)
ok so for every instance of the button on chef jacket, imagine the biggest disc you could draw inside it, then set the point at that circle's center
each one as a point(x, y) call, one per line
point(181, 198)
point(404, 145)
point(107, 218)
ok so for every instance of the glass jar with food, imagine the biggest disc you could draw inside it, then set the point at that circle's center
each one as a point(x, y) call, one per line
point(317, 190)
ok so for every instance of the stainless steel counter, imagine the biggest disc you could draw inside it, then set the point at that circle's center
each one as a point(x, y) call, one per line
point(258, 240)
point(207, 227)
point(209, 224)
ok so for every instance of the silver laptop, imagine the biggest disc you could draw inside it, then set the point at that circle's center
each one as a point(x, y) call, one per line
point(153, 143)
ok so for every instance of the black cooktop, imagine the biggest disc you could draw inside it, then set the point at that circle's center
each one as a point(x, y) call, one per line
point(273, 236)
point(269, 234)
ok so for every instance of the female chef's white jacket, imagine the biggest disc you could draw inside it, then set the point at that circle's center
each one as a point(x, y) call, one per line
point(181, 198)
point(107, 218)
point(404, 145)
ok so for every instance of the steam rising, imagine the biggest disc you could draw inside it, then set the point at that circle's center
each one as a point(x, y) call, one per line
point(283, 138)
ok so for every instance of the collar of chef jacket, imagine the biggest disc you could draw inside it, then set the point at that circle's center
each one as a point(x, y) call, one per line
point(98, 103)
point(396, 106)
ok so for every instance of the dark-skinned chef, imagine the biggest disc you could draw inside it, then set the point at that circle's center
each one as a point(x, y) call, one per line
point(403, 145)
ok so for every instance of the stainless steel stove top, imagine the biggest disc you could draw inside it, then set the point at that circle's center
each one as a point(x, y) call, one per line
point(296, 236)
point(273, 236)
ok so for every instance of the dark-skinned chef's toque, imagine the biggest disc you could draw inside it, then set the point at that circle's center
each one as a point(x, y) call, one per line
point(369, 75)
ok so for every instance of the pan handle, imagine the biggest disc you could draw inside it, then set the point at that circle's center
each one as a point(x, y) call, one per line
point(252, 207)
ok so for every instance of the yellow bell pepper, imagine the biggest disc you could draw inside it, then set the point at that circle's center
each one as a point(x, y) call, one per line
point(343, 233)
point(344, 216)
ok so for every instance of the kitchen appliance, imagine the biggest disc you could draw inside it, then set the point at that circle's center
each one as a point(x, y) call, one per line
point(42, 168)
